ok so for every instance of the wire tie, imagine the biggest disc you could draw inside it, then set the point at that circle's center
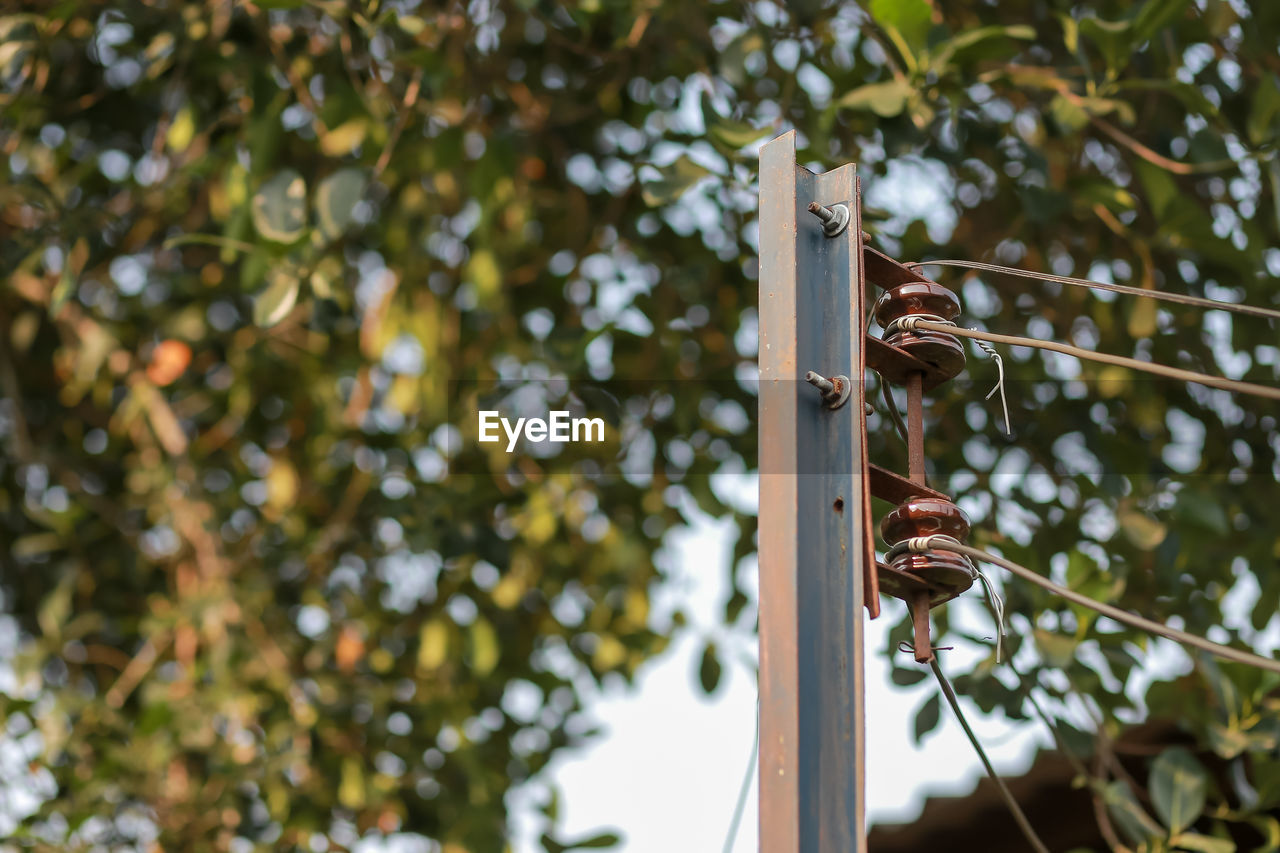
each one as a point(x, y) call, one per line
point(996, 603)
point(1004, 404)
point(907, 648)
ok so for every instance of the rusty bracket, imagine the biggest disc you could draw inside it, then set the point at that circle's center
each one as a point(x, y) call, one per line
point(896, 365)
point(895, 488)
point(886, 273)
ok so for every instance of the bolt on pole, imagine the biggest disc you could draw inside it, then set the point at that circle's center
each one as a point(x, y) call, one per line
point(815, 507)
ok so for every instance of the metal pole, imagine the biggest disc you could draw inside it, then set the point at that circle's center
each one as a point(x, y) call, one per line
point(815, 509)
point(915, 429)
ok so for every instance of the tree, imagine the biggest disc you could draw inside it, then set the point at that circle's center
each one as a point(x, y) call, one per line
point(263, 256)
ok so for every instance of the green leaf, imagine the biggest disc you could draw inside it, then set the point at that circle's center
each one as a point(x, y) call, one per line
point(1228, 741)
point(909, 18)
point(344, 138)
point(1128, 814)
point(56, 607)
point(677, 178)
point(1269, 828)
point(1177, 784)
point(1105, 193)
point(604, 839)
point(1058, 649)
point(1203, 843)
point(1264, 110)
point(484, 648)
point(1273, 174)
point(1107, 106)
point(733, 59)
point(1201, 509)
point(1086, 577)
point(709, 669)
point(1069, 115)
point(927, 717)
point(734, 135)
point(1070, 32)
point(1142, 530)
point(1113, 39)
point(280, 207)
point(351, 787)
point(595, 842)
point(1190, 95)
point(958, 47)
point(906, 677)
point(1143, 318)
point(433, 644)
point(336, 200)
point(1155, 15)
point(1030, 77)
point(1158, 186)
point(886, 99)
point(274, 304)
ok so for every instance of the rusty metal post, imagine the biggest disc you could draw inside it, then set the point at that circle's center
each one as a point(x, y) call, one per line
point(815, 511)
point(915, 429)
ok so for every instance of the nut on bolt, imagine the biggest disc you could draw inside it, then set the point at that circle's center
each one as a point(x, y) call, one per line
point(834, 219)
point(835, 391)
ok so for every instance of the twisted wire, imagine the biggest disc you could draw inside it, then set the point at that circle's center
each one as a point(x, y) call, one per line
point(1004, 404)
point(910, 322)
point(996, 603)
point(1128, 290)
point(1133, 620)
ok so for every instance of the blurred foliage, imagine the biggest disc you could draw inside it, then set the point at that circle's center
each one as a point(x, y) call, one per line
point(249, 248)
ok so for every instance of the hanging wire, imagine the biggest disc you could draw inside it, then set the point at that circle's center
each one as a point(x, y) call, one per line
point(894, 414)
point(1180, 298)
point(1014, 808)
point(911, 323)
point(1004, 404)
point(920, 544)
point(996, 603)
point(745, 789)
point(895, 325)
point(1058, 740)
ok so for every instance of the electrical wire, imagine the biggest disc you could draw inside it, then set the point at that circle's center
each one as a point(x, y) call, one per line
point(1058, 740)
point(1004, 404)
point(1014, 808)
point(945, 543)
point(743, 791)
point(894, 414)
point(1180, 298)
point(996, 603)
point(910, 323)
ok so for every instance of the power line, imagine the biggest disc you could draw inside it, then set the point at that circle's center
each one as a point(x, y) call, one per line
point(910, 323)
point(1180, 298)
point(920, 544)
point(892, 406)
point(1014, 808)
point(746, 787)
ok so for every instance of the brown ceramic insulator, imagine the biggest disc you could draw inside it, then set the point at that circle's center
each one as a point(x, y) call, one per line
point(947, 574)
point(923, 297)
point(924, 517)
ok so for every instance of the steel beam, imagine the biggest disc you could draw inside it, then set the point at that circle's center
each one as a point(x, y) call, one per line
point(816, 551)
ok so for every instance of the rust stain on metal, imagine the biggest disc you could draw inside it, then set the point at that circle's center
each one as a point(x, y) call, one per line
point(915, 428)
point(895, 488)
